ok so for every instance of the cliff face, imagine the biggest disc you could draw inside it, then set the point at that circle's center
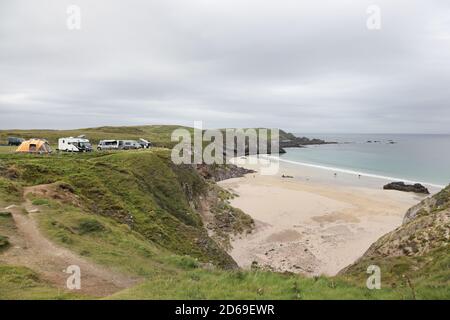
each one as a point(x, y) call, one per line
point(222, 172)
point(428, 206)
point(415, 257)
point(425, 227)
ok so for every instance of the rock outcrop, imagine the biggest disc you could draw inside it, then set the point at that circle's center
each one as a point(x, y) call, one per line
point(222, 172)
point(285, 140)
point(401, 186)
point(438, 202)
point(289, 140)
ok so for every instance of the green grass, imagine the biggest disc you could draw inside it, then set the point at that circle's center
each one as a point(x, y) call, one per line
point(401, 279)
point(102, 240)
point(40, 202)
point(20, 283)
point(7, 149)
point(10, 191)
point(425, 277)
point(219, 284)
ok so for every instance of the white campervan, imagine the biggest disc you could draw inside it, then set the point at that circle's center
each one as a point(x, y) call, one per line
point(71, 144)
point(108, 145)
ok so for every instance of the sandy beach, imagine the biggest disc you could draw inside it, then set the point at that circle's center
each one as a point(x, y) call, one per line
point(315, 222)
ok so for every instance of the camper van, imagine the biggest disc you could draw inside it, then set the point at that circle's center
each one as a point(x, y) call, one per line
point(129, 144)
point(108, 145)
point(74, 144)
point(118, 145)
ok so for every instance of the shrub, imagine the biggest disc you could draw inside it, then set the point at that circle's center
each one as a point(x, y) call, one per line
point(184, 262)
point(66, 187)
point(40, 202)
point(9, 190)
point(5, 214)
point(89, 226)
point(3, 242)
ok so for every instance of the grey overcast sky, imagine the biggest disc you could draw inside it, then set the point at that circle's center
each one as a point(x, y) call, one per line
point(306, 66)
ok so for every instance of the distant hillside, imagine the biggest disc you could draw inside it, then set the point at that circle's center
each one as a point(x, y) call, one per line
point(159, 135)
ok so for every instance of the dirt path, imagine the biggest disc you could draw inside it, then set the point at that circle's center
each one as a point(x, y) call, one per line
point(30, 248)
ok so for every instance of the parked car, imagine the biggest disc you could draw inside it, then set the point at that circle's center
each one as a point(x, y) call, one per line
point(14, 141)
point(118, 145)
point(108, 145)
point(144, 143)
point(74, 144)
point(129, 144)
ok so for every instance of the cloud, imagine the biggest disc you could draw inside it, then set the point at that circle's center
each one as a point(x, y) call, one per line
point(304, 66)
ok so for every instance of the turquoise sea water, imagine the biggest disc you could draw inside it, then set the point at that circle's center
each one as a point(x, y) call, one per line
point(416, 158)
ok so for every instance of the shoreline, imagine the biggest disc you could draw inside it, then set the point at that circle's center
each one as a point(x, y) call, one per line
point(352, 172)
point(313, 223)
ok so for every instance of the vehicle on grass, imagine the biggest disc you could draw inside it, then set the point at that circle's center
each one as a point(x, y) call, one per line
point(72, 144)
point(118, 145)
point(108, 145)
point(129, 144)
point(14, 141)
point(144, 143)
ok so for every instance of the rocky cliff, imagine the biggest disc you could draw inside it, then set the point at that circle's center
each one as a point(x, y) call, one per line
point(417, 252)
point(289, 140)
point(425, 227)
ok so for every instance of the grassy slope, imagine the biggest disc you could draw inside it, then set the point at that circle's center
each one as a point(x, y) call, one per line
point(140, 189)
point(145, 205)
point(17, 282)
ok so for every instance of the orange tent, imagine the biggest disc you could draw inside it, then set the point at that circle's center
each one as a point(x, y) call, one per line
point(34, 146)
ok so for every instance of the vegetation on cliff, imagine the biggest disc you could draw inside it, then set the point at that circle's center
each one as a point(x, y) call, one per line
point(416, 254)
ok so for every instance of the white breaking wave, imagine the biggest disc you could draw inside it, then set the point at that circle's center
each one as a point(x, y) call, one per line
point(363, 174)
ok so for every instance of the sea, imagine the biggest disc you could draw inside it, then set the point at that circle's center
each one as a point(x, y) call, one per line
point(421, 158)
